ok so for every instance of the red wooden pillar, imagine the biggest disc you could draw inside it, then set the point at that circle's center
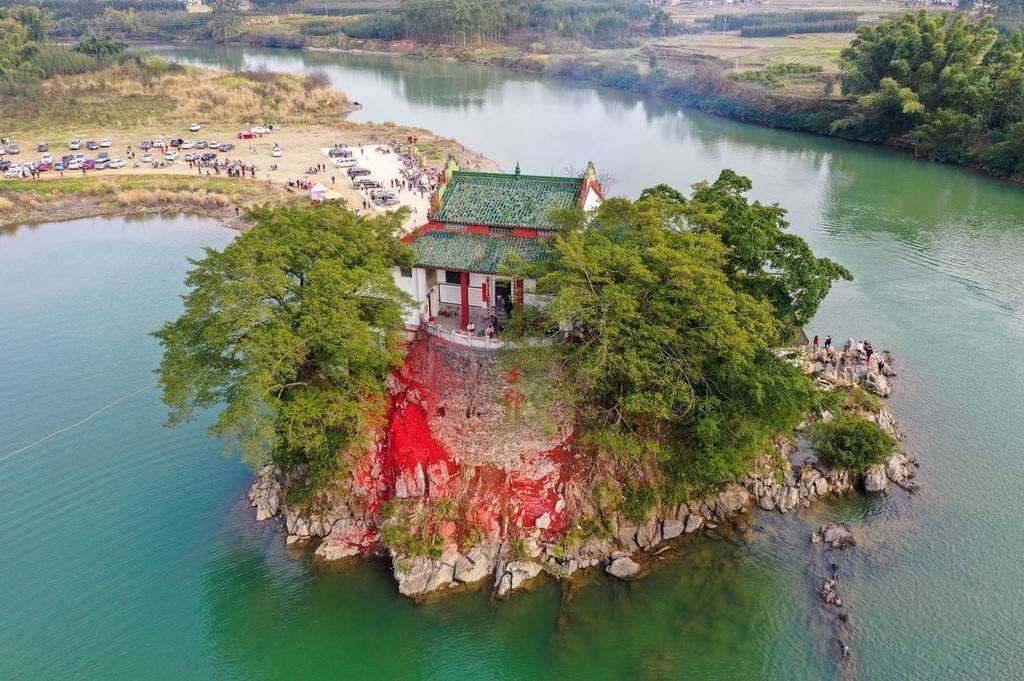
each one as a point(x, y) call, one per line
point(464, 283)
point(519, 294)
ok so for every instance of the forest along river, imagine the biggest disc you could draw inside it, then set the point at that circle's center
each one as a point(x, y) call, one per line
point(130, 552)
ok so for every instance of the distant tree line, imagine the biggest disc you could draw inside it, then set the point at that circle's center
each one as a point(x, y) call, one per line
point(770, 30)
point(735, 22)
point(601, 23)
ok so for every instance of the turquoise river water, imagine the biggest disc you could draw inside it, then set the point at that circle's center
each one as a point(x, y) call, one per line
point(129, 551)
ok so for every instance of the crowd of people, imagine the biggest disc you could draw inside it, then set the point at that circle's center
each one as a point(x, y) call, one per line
point(864, 350)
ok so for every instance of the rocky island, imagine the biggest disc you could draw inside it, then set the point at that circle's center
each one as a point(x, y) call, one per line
point(520, 491)
point(539, 379)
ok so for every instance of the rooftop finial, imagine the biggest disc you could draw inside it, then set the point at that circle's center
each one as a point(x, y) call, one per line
point(517, 167)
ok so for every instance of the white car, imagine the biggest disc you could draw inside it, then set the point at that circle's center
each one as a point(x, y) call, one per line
point(13, 172)
point(3, 150)
point(214, 145)
point(105, 142)
point(260, 130)
point(116, 163)
point(188, 144)
point(75, 145)
point(276, 152)
point(147, 157)
point(47, 158)
point(195, 127)
point(158, 143)
point(192, 156)
point(74, 164)
point(171, 156)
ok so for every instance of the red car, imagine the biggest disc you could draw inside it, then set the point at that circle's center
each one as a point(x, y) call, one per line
point(88, 164)
point(43, 167)
point(243, 135)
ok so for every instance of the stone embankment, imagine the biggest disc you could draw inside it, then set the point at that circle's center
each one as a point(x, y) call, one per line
point(346, 525)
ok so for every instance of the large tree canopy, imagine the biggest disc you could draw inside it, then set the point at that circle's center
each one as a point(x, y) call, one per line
point(671, 307)
point(293, 327)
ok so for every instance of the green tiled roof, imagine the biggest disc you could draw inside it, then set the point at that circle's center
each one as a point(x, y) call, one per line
point(505, 200)
point(480, 253)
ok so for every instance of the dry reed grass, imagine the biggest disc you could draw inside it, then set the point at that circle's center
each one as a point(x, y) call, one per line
point(138, 198)
point(6, 204)
point(201, 94)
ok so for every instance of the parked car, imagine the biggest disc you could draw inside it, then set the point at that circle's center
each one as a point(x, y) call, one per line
point(227, 146)
point(146, 145)
point(260, 130)
point(73, 164)
point(195, 127)
point(344, 162)
point(102, 164)
point(188, 144)
point(13, 148)
point(276, 152)
point(91, 145)
point(103, 155)
point(366, 183)
point(75, 145)
point(191, 156)
point(47, 158)
point(201, 144)
point(12, 172)
point(147, 157)
point(171, 156)
point(60, 165)
point(214, 144)
point(88, 164)
point(338, 152)
point(79, 157)
point(356, 171)
point(4, 165)
point(43, 166)
point(386, 200)
point(116, 163)
point(105, 142)
point(158, 143)
point(176, 142)
point(42, 146)
point(208, 156)
point(243, 135)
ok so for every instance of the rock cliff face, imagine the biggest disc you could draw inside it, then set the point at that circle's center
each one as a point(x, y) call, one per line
point(456, 440)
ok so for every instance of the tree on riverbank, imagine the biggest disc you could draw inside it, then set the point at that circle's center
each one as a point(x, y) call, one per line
point(953, 87)
point(293, 328)
point(672, 306)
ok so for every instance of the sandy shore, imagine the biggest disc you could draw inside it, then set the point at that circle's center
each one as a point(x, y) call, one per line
point(303, 147)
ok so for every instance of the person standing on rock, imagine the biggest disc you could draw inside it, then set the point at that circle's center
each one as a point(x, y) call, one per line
point(815, 343)
point(828, 342)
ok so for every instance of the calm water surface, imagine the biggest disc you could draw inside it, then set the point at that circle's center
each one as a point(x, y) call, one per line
point(129, 551)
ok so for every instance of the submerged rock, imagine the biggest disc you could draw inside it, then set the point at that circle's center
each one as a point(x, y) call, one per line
point(623, 567)
point(836, 536)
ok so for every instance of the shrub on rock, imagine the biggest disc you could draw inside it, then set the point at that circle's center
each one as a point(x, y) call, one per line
point(851, 442)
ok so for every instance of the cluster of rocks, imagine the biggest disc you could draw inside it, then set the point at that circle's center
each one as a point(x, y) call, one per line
point(835, 368)
point(835, 538)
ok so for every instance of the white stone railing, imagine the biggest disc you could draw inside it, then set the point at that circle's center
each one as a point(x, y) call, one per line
point(463, 338)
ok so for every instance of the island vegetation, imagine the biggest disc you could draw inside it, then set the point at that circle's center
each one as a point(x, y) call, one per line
point(661, 337)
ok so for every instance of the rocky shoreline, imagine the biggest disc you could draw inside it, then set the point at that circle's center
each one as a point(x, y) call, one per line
point(344, 529)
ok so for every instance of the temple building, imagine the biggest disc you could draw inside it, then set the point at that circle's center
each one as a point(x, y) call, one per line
point(479, 223)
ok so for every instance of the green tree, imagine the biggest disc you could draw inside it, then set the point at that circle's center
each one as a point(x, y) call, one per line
point(851, 442)
point(667, 365)
point(292, 328)
point(101, 47)
point(763, 258)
